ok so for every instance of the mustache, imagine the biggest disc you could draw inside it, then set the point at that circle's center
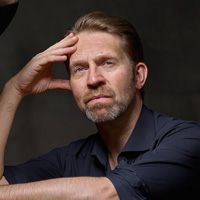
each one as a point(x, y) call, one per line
point(103, 91)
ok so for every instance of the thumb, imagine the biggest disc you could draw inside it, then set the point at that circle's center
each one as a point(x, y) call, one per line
point(59, 84)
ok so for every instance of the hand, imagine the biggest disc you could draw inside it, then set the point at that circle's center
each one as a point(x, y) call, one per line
point(36, 76)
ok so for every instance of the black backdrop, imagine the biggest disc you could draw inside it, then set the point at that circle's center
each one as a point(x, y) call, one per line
point(170, 31)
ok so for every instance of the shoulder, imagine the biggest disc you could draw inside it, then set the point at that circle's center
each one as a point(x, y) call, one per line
point(168, 126)
point(78, 147)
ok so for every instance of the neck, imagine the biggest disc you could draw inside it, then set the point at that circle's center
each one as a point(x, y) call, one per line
point(116, 133)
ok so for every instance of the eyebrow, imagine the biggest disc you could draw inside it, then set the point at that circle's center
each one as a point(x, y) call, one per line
point(106, 57)
point(98, 58)
point(78, 62)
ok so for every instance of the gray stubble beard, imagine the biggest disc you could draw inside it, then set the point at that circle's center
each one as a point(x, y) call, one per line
point(114, 109)
point(111, 110)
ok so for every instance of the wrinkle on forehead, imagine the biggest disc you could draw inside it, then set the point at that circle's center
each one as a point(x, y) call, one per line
point(95, 45)
point(82, 58)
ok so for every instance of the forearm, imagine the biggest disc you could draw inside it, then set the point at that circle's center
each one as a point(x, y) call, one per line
point(78, 188)
point(34, 78)
point(9, 101)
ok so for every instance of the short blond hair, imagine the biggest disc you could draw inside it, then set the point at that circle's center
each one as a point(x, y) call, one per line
point(98, 21)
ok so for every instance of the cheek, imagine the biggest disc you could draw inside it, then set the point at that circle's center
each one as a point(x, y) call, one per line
point(76, 90)
point(124, 81)
point(125, 87)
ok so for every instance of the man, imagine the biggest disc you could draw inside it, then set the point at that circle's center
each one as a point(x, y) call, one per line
point(136, 154)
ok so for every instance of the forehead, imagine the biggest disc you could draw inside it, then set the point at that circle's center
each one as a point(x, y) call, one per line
point(95, 44)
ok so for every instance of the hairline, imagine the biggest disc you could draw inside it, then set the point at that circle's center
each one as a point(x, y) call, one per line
point(121, 39)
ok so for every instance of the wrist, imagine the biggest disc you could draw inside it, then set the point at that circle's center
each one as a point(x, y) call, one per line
point(10, 96)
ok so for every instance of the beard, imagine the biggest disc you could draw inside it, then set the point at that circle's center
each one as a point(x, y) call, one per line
point(103, 112)
point(107, 111)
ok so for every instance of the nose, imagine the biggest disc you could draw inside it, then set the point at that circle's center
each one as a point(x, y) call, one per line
point(95, 77)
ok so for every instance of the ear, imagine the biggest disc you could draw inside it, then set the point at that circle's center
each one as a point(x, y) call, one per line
point(141, 73)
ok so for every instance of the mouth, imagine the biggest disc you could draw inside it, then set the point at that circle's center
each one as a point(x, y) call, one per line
point(98, 98)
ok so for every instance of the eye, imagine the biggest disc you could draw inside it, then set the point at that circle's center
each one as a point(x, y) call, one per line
point(79, 69)
point(108, 63)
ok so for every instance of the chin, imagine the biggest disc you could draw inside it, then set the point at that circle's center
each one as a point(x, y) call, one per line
point(102, 115)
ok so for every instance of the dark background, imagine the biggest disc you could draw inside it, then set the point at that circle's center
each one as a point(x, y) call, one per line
point(170, 32)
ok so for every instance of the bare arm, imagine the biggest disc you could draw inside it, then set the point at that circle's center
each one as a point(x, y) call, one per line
point(78, 188)
point(9, 101)
point(34, 78)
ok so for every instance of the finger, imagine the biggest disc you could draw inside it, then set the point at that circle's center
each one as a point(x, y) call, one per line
point(57, 55)
point(59, 84)
point(50, 59)
point(61, 51)
point(68, 36)
point(67, 42)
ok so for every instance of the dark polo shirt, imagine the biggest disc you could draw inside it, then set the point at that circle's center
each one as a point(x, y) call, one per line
point(161, 160)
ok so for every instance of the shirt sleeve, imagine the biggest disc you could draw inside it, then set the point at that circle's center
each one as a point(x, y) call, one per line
point(127, 184)
point(171, 170)
point(44, 167)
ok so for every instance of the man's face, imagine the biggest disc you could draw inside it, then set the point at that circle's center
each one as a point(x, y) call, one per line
point(101, 76)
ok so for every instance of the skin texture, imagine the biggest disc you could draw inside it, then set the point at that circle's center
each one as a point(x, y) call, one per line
point(101, 78)
point(100, 65)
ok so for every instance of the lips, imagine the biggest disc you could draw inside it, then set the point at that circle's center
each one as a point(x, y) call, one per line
point(103, 93)
point(97, 98)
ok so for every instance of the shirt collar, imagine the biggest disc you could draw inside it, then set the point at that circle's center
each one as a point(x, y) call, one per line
point(140, 140)
point(100, 150)
point(143, 134)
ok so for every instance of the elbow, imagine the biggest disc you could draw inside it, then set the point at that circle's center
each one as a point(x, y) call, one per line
point(105, 190)
point(3, 181)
